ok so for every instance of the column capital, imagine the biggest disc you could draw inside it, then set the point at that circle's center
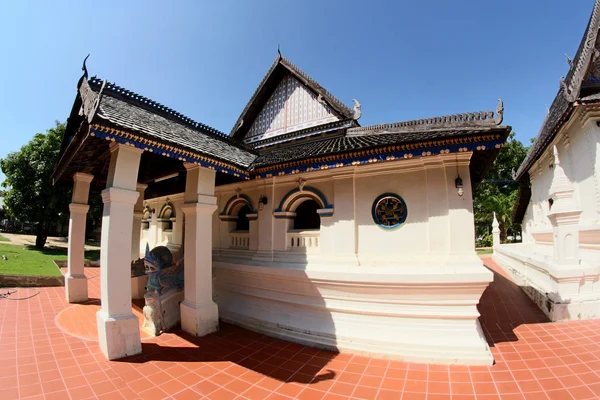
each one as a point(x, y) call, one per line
point(198, 208)
point(140, 187)
point(118, 195)
point(114, 146)
point(78, 208)
point(82, 177)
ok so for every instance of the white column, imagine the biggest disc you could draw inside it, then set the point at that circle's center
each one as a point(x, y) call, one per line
point(76, 288)
point(138, 284)
point(199, 314)
point(265, 219)
point(496, 231)
point(118, 329)
point(253, 231)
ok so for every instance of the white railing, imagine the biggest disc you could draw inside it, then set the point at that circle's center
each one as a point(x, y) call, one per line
point(304, 240)
point(239, 240)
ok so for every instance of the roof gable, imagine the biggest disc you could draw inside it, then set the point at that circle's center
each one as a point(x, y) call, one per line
point(265, 101)
point(291, 107)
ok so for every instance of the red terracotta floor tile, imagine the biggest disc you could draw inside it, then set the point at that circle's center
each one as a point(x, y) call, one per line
point(535, 359)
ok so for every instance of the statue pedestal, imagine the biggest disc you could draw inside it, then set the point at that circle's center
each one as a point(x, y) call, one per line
point(161, 313)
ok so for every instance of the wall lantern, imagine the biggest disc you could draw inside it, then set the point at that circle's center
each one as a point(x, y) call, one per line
point(261, 202)
point(459, 186)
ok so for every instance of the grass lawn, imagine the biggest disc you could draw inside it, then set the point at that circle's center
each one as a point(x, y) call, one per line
point(3, 239)
point(27, 260)
point(484, 250)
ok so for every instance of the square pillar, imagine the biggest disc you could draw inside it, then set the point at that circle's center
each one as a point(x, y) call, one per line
point(118, 328)
point(253, 231)
point(265, 221)
point(138, 284)
point(199, 314)
point(76, 288)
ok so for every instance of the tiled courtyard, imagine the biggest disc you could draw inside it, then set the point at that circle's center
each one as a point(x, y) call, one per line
point(535, 359)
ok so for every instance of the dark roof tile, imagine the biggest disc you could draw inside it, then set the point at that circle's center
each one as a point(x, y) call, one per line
point(135, 113)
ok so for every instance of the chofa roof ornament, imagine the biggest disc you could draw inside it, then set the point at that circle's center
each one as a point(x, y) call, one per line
point(357, 110)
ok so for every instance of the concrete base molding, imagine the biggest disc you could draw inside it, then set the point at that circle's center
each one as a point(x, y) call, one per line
point(199, 319)
point(76, 288)
point(418, 315)
point(562, 293)
point(118, 336)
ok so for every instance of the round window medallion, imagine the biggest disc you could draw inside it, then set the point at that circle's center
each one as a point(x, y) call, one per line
point(389, 211)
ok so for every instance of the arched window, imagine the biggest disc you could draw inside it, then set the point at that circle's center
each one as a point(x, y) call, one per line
point(306, 216)
point(242, 223)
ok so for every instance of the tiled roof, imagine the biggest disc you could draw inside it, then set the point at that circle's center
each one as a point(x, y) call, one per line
point(343, 144)
point(472, 120)
point(130, 111)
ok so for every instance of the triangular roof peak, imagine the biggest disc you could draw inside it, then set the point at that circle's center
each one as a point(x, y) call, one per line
point(279, 70)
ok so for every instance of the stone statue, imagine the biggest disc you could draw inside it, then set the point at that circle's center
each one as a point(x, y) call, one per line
point(162, 273)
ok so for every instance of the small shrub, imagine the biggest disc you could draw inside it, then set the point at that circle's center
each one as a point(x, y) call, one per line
point(486, 241)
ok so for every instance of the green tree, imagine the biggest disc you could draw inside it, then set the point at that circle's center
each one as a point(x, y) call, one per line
point(498, 192)
point(29, 195)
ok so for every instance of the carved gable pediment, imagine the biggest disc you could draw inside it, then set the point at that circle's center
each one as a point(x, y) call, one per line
point(291, 107)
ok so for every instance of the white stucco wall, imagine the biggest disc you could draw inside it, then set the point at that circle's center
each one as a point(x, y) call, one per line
point(564, 287)
point(578, 144)
point(421, 281)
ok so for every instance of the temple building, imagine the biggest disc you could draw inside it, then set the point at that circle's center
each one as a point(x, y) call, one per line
point(300, 223)
point(558, 263)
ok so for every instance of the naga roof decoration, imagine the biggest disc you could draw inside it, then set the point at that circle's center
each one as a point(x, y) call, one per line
point(465, 120)
point(584, 72)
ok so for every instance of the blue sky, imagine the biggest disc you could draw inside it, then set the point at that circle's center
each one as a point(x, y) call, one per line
point(402, 60)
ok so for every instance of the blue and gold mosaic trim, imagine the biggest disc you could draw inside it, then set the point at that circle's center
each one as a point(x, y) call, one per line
point(123, 137)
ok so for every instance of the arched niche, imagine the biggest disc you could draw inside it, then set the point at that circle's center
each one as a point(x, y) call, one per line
point(237, 227)
point(295, 197)
point(166, 217)
point(234, 204)
point(146, 217)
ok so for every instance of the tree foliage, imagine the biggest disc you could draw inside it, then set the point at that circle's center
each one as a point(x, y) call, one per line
point(29, 195)
point(498, 192)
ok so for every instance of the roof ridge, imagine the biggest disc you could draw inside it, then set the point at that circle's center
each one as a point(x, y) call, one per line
point(463, 120)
